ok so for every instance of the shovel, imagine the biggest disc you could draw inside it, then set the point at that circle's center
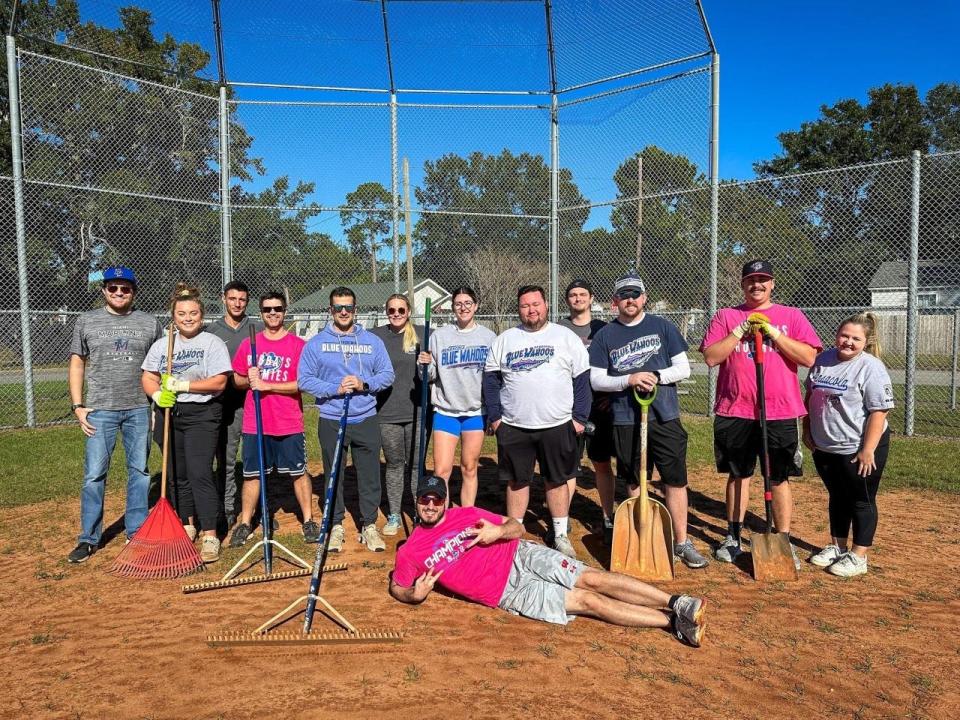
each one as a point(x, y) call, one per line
point(642, 526)
point(772, 559)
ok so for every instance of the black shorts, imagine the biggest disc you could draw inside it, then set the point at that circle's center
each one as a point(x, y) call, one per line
point(554, 448)
point(736, 445)
point(599, 447)
point(666, 449)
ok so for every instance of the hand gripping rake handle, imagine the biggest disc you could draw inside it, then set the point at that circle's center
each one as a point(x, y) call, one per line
point(758, 351)
point(333, 475)
point(644, 400)
point(424, 395)
point(166, 417)
point(264, 512)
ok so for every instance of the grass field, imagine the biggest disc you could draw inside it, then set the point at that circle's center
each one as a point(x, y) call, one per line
point(47, 463)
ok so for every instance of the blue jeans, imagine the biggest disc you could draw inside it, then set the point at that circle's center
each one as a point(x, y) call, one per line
point(134, 426)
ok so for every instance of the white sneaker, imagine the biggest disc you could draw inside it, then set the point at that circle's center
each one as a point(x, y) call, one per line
point(849, 565)
point(562, 544)
point(393, 524)
point(826, 557)
point(335, 544)
point(191, 532)
point(370, 537)
point(209, 549)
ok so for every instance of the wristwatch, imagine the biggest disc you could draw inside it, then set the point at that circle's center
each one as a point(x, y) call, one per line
point(366, 387)
point(75, 406)
point(657, 375)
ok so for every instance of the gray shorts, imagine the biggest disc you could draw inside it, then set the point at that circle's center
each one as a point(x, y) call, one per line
point(538, 583)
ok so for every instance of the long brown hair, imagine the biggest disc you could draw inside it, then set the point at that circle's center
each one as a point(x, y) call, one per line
point(868, 321)
point(409, 332)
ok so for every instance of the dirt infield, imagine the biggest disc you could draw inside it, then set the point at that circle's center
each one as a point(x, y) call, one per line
point(83, 644)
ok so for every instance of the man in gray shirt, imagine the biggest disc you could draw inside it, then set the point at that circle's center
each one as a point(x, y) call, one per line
point(232, 328)
point(106, 351)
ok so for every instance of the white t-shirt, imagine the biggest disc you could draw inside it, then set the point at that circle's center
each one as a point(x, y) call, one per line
point(841, 394)
point(538, 369)
point(201, 356)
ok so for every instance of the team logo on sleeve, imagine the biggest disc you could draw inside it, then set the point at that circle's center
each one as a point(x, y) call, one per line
point(635, 354)
point(529, 358)
point(888, 392)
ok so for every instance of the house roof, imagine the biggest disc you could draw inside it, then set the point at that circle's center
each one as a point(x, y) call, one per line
point(369, 295)
point(894, 275)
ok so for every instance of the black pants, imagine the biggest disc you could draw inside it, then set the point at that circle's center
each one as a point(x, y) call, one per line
point(363, 440)
point(194, 428)
point(853, 499)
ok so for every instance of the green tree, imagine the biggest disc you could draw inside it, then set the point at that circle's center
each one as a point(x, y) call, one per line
point(367, 220)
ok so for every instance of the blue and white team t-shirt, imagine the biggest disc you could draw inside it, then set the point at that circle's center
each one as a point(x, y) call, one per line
point(538, 369)
point(201, 356)
point(459, 357)
point(647, 346)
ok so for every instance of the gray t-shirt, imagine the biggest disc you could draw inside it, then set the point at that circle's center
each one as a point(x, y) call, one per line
point(841, 394)
point(584, 332)
point(457, 368)
point(232, 397)
point(113, 347)
point(398, 403)
point(201, 356)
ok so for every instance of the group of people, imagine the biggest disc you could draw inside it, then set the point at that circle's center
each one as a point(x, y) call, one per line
point(537, 387)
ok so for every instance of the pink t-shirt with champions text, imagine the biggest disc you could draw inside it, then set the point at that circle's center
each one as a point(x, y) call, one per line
point(737, 379)
point(277, 360)
point(479, 573)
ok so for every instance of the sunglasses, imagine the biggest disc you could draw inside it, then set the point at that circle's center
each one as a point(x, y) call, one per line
point(343, 308)
point(266, 309)
point(122, 289)
point(629, 294)
point(397, 311)
point(431, 500)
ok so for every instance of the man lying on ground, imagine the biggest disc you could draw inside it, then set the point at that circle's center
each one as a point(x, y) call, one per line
point(480, 556)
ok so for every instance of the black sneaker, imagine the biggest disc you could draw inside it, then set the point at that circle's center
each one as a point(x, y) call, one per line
point(81, 553)
point(311, 531)
point(241, 533)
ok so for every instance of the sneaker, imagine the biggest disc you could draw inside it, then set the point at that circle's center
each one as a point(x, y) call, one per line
point(82, 552)
point(607, 532)
point(191, 532)
point(690, 608)
point(849, 565)
point(231, 520)
point(370, 537)
point(826, 557)
point(796, 560)
point(728, 551)
point(336, 539)
point(686, 552)
point(241, 533)
point(393, 524)
point(210, 549)
point(562, 543)
point(311, 531)
point(686, 630)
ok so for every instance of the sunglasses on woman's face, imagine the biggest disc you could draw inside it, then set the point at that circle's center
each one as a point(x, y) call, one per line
point(397, 311)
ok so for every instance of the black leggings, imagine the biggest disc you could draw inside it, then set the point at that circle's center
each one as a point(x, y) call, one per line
point(853, 499)
point(194, 429)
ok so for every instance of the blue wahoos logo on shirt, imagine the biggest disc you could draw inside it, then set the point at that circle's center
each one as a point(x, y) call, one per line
point(529, 358)
point(464, 356)
point(829, 382)
point(347, 347)
point(635, 354)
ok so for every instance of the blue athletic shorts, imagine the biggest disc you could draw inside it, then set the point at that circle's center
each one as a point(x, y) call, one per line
point(456, 424)
point(287, 454)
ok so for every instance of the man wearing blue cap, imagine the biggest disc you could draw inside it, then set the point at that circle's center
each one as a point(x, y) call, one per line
point(107, 349)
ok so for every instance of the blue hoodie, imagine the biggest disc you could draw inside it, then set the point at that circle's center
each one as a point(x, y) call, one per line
point(330, 356)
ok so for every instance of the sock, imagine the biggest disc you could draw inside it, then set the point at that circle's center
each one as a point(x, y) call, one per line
point(673, 601)
point(519, 520)
point(607, 521)
point(733, 529)
point(559, 526)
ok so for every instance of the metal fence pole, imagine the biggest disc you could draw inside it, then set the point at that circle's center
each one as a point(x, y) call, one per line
point(13, 83)
point(554, 202)
point(395, 193)
point(226, 235)
point(714, 205)
point(953, 365)
point(912, 314)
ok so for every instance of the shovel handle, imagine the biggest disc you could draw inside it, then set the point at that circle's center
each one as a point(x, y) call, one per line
point(645, 399)
point(758, 351)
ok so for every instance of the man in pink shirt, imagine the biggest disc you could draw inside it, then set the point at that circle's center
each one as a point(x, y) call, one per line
point(284, 449)
point(479, 556)
point(789, 341)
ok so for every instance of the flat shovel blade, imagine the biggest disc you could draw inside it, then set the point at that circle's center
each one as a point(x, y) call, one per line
point(772, 559)
point(643, 551)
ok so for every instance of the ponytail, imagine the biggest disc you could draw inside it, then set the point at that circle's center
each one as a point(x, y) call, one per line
point(868, 321)
point(184, 292)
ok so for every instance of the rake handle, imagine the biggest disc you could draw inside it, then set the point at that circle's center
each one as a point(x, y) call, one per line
point(166, 418)
point(424, 395)
point(764, 441)
point(258, 412)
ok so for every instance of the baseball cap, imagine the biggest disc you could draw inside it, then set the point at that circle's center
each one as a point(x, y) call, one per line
point(579, 283)
point(630, 281)
point(432, 485)
point(119, 272)
point(757, 267)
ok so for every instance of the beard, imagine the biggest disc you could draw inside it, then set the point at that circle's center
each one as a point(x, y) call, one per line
point(534, 326)
point(431, 523)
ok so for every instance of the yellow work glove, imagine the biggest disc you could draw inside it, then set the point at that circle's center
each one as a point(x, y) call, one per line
point(762, 322)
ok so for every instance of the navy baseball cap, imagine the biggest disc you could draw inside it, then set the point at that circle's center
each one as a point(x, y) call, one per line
point(119, 272)
point(432, 485)
point(757, 267)
point(579, 283)
point(630, 281)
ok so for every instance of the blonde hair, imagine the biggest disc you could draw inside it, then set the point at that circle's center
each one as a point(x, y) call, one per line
point(868, 321)
point(183, 292)
point(409, 332)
